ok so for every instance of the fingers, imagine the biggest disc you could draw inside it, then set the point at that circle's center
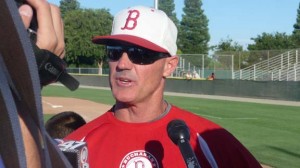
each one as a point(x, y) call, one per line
point(26, 14)
point(59, 31)
point(50, 33)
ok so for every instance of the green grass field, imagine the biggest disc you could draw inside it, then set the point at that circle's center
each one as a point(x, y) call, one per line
point(270, 132)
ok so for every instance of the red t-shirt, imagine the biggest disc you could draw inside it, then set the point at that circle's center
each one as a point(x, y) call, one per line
point(116, 144)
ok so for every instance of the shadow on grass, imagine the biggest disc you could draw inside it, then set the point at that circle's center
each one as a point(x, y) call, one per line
point(297, 155)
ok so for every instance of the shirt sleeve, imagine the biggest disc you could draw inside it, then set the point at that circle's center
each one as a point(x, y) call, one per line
point(225, 150)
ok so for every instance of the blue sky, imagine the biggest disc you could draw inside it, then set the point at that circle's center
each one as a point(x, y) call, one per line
point(239, 20)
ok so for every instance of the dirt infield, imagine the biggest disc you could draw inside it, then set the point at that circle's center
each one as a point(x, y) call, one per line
point(87, 109)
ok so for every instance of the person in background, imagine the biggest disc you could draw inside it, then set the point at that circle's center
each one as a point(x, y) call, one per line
point(188, 76)
point(141, 51)
point(211, 77)
point(64, 123)
point(196, 75)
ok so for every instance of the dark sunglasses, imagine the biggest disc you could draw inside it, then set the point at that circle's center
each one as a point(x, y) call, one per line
point(137, 55)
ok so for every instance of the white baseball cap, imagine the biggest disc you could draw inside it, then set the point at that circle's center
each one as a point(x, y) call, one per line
point(143, 26)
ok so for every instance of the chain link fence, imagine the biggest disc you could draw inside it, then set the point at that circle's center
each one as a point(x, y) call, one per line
point(200, 66)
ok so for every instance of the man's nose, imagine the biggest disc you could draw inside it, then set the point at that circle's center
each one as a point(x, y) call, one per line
point(124, 62)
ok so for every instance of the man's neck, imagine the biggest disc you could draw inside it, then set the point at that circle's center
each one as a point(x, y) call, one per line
point(140, 113)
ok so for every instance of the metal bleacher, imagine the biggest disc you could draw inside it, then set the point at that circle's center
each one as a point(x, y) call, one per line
point(283, 67)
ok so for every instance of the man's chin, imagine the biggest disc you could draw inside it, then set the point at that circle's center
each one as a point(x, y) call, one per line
point(126, 99)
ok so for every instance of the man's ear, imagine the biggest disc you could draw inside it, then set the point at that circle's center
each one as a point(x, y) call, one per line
point(170, 65)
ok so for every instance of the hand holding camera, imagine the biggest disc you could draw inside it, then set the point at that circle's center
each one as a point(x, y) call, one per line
point(45, 26)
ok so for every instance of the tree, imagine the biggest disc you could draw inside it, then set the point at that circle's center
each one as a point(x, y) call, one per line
point(168, 7)
point(194, 36)
point(228, 47)
point(267, 41)
point(68, 5)
point(80, 26)
point(296, 32)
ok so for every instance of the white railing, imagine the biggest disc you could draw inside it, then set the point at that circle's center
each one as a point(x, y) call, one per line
point(284, 67)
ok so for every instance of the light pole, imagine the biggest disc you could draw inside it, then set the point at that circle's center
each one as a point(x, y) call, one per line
point(156, 4)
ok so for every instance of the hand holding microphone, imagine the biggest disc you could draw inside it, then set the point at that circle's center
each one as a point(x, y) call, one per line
point(179, 133)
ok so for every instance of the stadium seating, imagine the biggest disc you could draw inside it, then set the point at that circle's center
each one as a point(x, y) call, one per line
point(283, 67)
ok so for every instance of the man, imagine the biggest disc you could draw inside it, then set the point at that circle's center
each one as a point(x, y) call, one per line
point(142, 53)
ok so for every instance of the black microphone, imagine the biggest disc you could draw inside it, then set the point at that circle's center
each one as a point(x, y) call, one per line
point(75, 151)
point(179, 133)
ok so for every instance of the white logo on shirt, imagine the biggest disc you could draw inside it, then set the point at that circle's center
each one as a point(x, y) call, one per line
point(139, 159)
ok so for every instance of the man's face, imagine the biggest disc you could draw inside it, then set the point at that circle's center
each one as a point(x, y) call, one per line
point(133, 83)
